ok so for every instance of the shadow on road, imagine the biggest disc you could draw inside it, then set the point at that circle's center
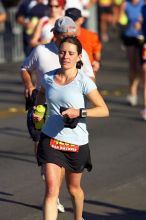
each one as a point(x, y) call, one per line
point(21, 203)
point(124, 213)
point(6, 194)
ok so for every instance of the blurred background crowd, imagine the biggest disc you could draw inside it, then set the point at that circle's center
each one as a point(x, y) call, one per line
point(23, 15)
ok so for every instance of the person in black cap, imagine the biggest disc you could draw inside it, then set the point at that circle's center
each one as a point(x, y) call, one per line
point(90, 40)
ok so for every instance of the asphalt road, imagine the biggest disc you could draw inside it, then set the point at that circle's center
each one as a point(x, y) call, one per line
point(116, 187)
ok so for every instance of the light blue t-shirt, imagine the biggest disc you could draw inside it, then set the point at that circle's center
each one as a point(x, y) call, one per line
point(70, 95)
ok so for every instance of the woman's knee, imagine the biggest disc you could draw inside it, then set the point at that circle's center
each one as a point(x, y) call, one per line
point(74, 190)
point(51, 193)
point(52, 190)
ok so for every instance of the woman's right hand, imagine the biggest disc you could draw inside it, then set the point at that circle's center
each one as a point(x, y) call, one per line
point(36, 118)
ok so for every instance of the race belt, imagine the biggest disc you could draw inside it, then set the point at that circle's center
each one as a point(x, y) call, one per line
point(63, 146)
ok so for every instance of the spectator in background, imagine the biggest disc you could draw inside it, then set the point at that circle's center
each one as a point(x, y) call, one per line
point(28, 14)
point(89, 40)
point(82, 5)
point(43, 33)
point(132, 40)
point(3, 15)
point(141, 24)
point(105, 18)
point(116, 10)
point(143, 61)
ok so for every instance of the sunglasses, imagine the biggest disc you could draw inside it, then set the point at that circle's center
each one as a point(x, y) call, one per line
point(54, 6)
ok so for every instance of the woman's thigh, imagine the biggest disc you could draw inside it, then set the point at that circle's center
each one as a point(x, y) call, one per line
point(52, 176)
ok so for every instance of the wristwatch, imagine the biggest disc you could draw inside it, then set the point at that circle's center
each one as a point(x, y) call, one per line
point(83, 113)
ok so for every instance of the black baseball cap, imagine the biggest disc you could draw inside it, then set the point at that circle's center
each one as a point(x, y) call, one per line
point(73, 13)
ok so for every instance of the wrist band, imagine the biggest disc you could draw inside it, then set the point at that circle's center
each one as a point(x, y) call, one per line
point(83, 113)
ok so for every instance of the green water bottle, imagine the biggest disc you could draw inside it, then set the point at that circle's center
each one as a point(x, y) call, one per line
point(40, 111)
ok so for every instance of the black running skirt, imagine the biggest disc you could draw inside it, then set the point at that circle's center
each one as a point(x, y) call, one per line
point(73, 161)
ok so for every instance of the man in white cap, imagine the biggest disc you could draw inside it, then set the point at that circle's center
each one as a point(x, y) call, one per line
point(44, 58)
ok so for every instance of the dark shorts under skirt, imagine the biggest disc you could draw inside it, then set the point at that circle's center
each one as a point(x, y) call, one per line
point(73, 161)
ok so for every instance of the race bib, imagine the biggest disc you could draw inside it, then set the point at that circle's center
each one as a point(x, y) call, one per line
point(63, 146)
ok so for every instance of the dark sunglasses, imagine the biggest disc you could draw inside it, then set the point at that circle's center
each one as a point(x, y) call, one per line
point(54, 6)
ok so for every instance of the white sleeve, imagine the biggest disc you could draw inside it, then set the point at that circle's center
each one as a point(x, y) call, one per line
point(30, 62)
point(87, 68)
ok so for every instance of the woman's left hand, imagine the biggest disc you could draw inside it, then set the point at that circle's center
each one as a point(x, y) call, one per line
point(71, 113)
